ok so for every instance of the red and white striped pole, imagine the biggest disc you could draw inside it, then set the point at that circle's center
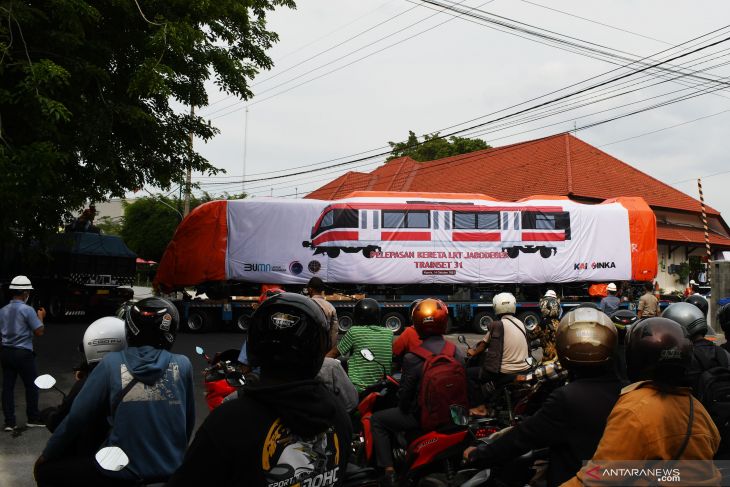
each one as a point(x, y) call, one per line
point(706, 228)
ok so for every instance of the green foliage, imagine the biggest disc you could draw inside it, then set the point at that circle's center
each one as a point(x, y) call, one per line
point(434, 147)
point(109, 225)
point(86, 89)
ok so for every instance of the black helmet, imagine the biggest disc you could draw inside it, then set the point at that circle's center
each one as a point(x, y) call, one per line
point(289, 334)
point(153, 322)
point(700, 302)
point(723, 317)
point(657, 349)
point(689, 316)
point(623, 318)
point(366, 312)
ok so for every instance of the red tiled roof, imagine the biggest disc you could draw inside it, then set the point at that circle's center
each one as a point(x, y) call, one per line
point(557, 165)
point(690, 235)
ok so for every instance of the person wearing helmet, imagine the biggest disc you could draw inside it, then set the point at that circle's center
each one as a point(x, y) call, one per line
point(148, 392)
point(571, 420)
point(622, 319)
point(315, 290)
point(723, 316)
point(366, 332)
point(104, 335)
point(610, 303)
point(656, 418)
point(267, 291)
point(551, 311)
point(430, 319)
point(288, 429)
point(705, 354)
point(19, 323)
point(506, 350)
point(690, 289)
point(648, 303)
point(700, 301)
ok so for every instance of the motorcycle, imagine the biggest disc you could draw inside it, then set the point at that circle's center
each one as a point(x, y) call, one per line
point(222, 376)
point(419, 457)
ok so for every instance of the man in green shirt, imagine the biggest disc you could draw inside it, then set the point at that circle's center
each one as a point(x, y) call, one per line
point(367, 333)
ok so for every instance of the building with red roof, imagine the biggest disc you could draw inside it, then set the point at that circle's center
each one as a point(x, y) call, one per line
point(560, 165)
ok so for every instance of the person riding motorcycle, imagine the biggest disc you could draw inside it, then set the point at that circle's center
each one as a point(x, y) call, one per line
point(104, 335)
point(148, 393)
point(550, 310)
point(430, 319)
point(571, 420)
point(723, 316)
point(623, 319)
point(700, 301)
point(366, 332)
point(656, 418)
point(286, 430)
point(506, 351)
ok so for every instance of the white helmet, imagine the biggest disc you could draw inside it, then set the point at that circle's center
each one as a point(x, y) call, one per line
point(504, 304)
point(612, 287)
point(21, 283)
point(550, 294)
point(103, 336)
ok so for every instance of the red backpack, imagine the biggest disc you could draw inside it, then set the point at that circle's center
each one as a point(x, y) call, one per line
point(443, 383)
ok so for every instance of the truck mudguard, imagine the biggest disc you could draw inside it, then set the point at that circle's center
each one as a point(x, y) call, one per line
point(410, 238)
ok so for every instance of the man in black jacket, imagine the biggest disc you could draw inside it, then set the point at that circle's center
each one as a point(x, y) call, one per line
point(571, 421)
point(287, 430)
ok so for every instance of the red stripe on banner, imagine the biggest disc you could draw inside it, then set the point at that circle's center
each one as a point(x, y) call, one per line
point(335, 235)
point(413, 236)
point(543, 237)
point(476, 236)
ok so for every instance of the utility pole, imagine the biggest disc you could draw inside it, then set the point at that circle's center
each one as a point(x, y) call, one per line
point(189, 177)
point(245, 148)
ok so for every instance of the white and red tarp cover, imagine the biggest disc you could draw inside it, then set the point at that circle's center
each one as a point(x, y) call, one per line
point(408, 238)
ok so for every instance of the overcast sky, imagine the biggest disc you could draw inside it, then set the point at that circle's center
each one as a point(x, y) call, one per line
point(444, 70)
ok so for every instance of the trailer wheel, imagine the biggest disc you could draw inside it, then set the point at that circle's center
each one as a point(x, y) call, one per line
point(531, 319)
point(333, 253)
point(198, 321)
point(481, 321)
point(344, 320)
point(56, 308)
point(394, 321)
point(242, 322)
point(546, 252)
point(513, 252)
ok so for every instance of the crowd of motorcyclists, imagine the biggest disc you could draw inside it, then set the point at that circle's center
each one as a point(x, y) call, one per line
point(639, 388)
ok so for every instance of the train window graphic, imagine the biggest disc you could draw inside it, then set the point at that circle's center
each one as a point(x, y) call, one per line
point(365, 226)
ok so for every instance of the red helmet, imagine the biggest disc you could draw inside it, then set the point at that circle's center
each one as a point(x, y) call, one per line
point(269, 292)
point(430, 317)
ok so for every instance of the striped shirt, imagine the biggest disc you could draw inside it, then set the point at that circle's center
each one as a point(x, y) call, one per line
point(379, 341)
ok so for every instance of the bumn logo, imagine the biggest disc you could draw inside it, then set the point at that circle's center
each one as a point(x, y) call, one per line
point(257, 267)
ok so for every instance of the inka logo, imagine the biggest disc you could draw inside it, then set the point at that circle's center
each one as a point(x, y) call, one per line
point(583, 266)
point(257, 267)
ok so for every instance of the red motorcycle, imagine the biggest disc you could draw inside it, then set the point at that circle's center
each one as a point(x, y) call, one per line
point(418, 455)
point(222, 377)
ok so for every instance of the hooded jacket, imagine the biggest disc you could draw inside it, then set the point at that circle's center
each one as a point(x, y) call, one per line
point(152, 422)
point(296, 433)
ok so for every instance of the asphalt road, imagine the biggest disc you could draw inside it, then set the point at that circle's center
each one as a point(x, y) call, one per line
point(57, 354)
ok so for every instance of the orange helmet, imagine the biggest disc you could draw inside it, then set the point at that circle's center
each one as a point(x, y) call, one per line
point(430, 317)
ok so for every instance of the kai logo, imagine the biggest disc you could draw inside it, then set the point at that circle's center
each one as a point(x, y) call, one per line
point(583, 266)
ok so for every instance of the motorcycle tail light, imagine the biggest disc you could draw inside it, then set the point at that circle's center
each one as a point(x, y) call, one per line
point(485, 432)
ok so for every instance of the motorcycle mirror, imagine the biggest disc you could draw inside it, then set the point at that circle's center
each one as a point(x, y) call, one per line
point(235, 379)
point(45, 381)
point(112, 458)
point(459, 414)
point(199, 350)
point(462, 339)
point(367, 354)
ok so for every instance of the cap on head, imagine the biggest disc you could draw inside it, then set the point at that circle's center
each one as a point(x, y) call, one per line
point(316, 284)
point(692, 282)
point(20, 283)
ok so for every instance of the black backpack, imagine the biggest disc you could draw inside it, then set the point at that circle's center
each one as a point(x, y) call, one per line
point(712, 388)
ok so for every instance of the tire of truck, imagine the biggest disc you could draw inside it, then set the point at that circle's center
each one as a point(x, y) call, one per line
point(344, 320)
point(512, 252)
point(56, 308)
point(480, 321)
point(198, 321)
point(242, 323)
point(529, 318)
point(333, 253)
point(394, 321)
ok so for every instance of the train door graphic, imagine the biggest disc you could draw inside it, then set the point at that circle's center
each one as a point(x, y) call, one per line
point(369, 225)
point(511, 228)
point(441, 226)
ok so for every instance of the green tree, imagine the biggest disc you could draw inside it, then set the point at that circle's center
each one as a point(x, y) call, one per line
point(88, 92)
point(109, 225)
point(434, 147)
